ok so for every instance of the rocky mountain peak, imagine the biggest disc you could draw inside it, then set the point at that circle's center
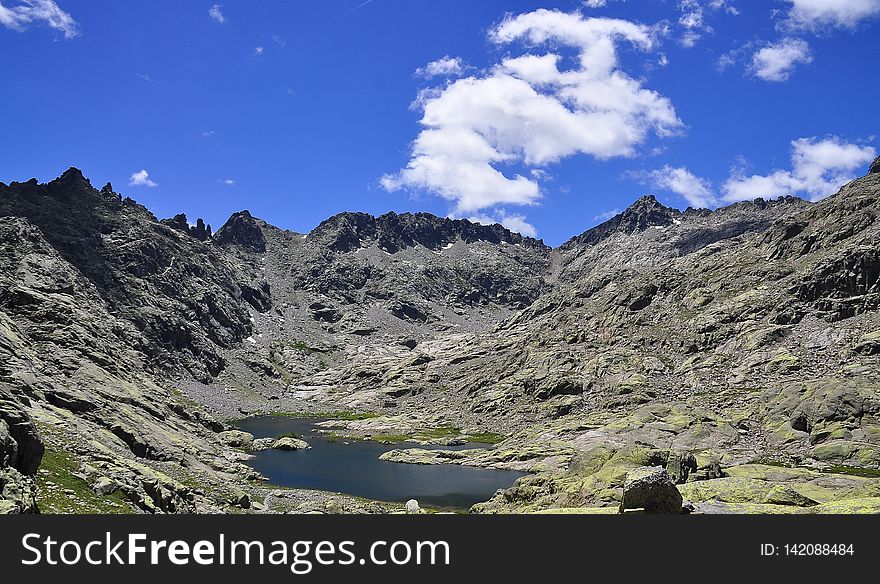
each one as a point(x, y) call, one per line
point(244, 230)
point(394, 232)
point(200, 230)
point(875, 166)
point(646, 212)
point(73, 174)
point(71, 183)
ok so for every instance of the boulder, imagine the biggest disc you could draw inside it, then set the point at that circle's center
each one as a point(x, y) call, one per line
point(236, 438)
point(105, 486)
point(651, 490)
point(413, 508)
point(288, 443)
point(262, 444)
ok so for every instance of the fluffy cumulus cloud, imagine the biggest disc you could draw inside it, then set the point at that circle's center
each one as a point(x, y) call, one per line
point(445, 67)
point(530, 111)
point(141, 179)
point(515, 222)
point(777, 61)
point(216, 13)
point(818, 14)
point(818, 169)
point(20, 16)
point(695, 190)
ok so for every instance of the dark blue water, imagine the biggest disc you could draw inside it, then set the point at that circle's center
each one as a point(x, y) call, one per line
point(354, 468)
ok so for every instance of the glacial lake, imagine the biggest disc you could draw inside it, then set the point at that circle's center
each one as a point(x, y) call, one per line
point(353, 467)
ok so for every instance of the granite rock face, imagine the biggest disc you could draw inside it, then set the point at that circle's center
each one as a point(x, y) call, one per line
point(188, 301)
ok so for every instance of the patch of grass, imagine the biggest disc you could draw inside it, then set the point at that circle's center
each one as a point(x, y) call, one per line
point(340, 415)
point(441, 432)
point(302, 347)
point(854, 471)
point(772, 462)
point(60, 490)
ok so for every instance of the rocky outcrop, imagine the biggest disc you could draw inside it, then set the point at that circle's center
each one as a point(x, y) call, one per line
point(21, 450)
point(290, 443)
point(242, 230)
point(395, 232)
point(199, 231)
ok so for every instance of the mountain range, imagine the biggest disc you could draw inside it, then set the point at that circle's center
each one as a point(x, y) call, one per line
point(736, 348)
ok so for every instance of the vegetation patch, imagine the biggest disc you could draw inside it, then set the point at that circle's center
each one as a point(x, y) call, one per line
point(62, 490)
point(853, 471)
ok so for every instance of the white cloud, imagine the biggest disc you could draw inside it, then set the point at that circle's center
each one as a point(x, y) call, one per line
point(594, 3)
point(514, 222)
point(145, 77)
point(519, 224)
point(603, 217)
point(819, 169)
point(227, 181)
point(216, 12)
point(819, 14)
point(528, 112)
point(691, 14)
point(776, 62)
point(726, 5)
point(695, 190)
point(693, 21)
point(444, 67)
point(259, 51)
point(18, 17)
point(141, 179)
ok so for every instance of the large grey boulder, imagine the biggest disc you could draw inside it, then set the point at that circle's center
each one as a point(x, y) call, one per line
point(651, 490)
point(288, 443)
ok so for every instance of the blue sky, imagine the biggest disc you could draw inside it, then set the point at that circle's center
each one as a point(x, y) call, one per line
point(546, 116)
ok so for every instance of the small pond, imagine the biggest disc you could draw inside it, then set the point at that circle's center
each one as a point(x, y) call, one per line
point(353, 467)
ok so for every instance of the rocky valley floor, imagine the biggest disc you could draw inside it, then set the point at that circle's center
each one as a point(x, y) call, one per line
point(708, 361)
